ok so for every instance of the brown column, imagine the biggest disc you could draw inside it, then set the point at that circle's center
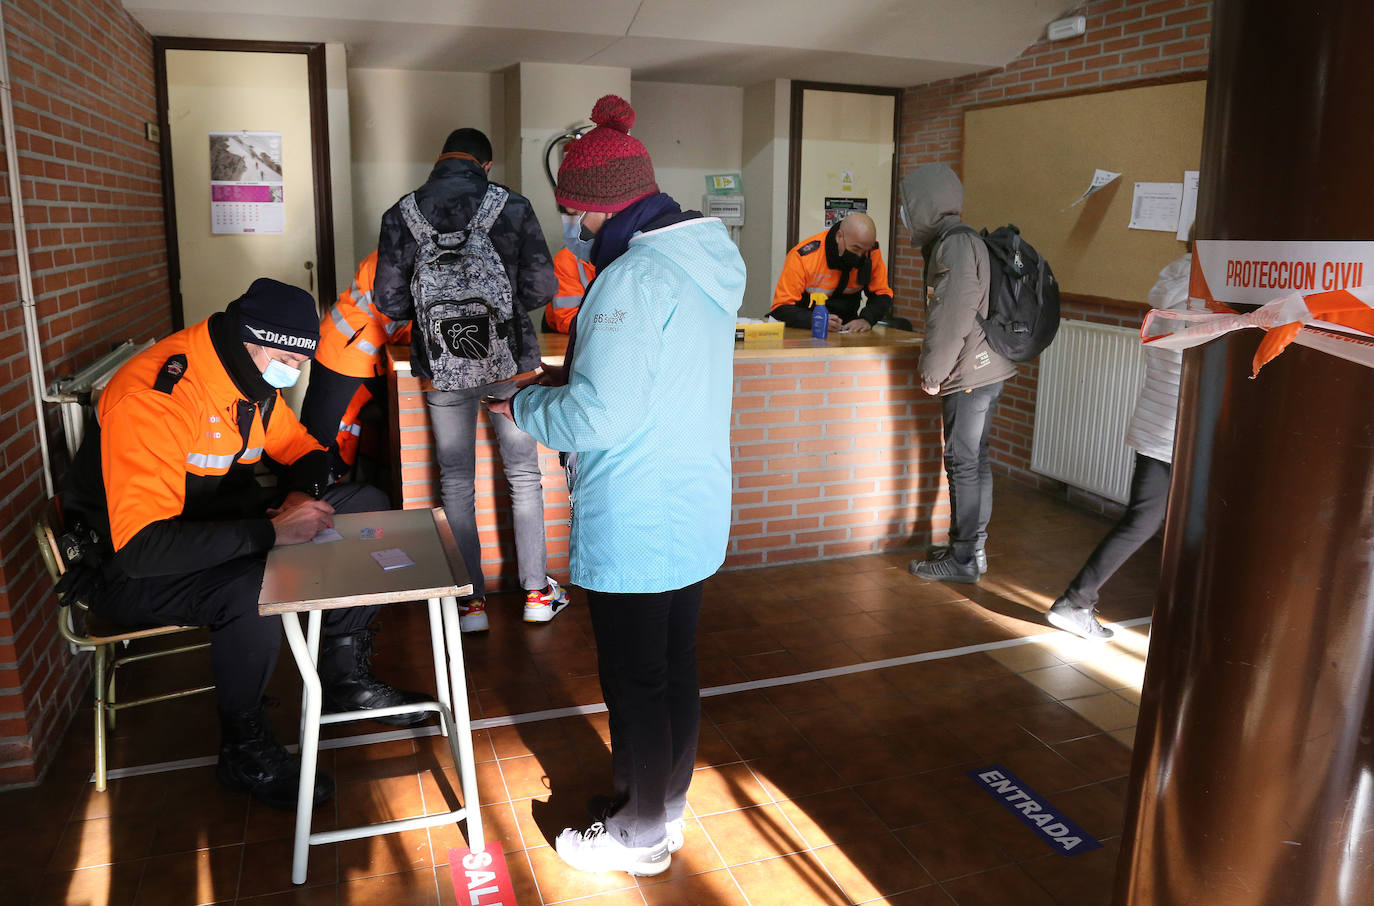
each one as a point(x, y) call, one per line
point(1253, 780)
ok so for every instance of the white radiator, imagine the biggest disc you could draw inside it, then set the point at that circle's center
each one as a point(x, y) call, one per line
point(1089, 379)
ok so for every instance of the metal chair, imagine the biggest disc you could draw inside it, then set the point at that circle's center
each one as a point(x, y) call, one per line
point(87, 632)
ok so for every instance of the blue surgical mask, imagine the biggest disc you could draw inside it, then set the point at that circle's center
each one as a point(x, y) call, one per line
point(280, 374)
point(572, 236)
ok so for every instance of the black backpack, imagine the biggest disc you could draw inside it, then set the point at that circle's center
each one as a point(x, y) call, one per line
point(1023, 296)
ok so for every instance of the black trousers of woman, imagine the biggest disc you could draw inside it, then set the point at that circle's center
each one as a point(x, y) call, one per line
point(646, 653)
point(1143, 517)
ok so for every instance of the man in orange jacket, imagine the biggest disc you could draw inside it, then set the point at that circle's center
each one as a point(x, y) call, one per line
point(843, 263)
point(574, 269)
point(350, 366)
point(166, 480)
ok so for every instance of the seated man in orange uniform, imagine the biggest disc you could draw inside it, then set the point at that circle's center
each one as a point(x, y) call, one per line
point(843, 263)
point(574, 269)
point(349, 368)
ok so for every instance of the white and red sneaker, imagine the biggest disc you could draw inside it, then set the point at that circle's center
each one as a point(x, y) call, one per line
point(472, 615)
point(544, 604)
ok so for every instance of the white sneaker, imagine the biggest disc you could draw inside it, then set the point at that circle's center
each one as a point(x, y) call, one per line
point(676, 834)
point(596, 850)
point(545, 604)
point(472, 615)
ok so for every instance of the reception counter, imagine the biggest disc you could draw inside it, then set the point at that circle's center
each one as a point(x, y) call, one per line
point(836, 452)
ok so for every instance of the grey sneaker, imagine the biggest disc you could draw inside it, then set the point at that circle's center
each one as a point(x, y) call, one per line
point(980, 556)
point(1063, 615)
point(944, 569)
point(596, 850)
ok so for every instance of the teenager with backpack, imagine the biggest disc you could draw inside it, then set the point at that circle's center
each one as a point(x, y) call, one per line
point(958, 363)
point(465, 260)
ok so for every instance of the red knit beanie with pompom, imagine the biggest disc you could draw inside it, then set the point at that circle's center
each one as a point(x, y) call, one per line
point(606, 170)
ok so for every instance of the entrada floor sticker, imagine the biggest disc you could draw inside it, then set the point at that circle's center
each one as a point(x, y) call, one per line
point(1063, 836)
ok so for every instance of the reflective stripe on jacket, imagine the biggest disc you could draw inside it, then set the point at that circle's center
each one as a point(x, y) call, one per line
point(354, 333)
point(573, 276)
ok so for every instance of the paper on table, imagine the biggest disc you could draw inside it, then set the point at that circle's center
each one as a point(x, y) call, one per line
point(392, 558)
point(1189, 212)
point(326, 536)
point(1156, 206)
point(1101, 178)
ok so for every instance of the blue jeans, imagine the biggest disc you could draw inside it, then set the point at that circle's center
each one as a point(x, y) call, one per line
point(453, 419)
point(967, 422)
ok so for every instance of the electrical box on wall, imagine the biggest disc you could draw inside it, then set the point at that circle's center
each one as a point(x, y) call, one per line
point(729, 208)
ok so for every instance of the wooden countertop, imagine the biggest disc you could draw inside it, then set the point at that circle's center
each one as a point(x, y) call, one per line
point(794, 343)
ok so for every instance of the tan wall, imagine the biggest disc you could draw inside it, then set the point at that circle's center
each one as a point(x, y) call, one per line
point(690, 131)
point(399, 120)
point(763, 240)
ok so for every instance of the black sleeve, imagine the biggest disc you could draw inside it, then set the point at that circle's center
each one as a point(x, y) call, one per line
point(395, 261)
point(793, 316)
point(309, 474)
point(173, 547)
point(876, 308)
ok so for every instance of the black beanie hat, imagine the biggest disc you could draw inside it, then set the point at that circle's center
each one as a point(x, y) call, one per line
point(277, 314)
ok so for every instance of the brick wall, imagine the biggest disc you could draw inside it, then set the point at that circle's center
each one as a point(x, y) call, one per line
point(833, 455)
point(1127, 42)
point(91, 185)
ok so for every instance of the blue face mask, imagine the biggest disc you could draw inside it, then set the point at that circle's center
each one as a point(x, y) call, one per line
point(572, 237)
point(280, 374)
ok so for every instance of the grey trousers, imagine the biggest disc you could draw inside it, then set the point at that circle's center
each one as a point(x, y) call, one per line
point(453, 418)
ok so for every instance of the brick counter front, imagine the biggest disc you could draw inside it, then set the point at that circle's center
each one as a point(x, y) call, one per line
point(836, 451)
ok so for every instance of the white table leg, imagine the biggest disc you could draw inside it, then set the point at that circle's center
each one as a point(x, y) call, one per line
point(462, 720)
point(312, 641)
point(310, 741)
point(436, 638)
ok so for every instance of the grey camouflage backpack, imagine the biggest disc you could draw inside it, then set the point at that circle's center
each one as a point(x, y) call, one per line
point(463, 300)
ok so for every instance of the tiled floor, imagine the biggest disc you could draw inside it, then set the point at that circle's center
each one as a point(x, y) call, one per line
point(847, 789)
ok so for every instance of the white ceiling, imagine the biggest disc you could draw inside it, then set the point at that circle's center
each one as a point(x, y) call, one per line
point(726, 42)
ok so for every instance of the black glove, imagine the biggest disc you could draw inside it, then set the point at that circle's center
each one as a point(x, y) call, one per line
point(79, 585)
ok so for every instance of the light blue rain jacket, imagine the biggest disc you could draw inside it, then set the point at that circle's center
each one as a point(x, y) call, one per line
point(647, 411)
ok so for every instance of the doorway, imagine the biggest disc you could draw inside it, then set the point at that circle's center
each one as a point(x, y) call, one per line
point(842, 158)
point(245, 169)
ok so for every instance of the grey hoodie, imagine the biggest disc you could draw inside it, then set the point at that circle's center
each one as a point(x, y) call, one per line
point(955, 355)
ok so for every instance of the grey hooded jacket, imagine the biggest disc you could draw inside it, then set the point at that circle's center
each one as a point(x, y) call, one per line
point(955, 355)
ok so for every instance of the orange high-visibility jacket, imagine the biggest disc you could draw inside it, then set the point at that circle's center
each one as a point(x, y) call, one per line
point(353, 333)
point(173, 454)
point(350, 427)
point(806, 270)
point(573, 276)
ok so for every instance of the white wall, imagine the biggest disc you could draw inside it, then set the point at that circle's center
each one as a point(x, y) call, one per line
point(340, 163)
point(399, 120)
point(690, 131)
point(763, 241)
point(846, 133)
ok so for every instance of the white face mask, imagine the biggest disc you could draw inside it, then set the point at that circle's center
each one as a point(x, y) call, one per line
point(280, 374)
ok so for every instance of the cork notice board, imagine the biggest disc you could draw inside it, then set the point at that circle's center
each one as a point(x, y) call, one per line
point(1026, 163)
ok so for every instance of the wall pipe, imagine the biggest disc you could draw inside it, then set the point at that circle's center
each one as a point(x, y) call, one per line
point(21, 250)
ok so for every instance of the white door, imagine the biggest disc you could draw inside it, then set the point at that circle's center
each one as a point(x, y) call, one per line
point(239, 127)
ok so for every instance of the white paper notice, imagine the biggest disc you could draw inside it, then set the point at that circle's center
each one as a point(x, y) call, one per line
point(392, 558)
point(1101, 178)
point(327, 536)
point(1156, 206)
point(1189, 212)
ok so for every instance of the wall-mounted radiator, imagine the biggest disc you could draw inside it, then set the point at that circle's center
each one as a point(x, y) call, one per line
point(1089, 379)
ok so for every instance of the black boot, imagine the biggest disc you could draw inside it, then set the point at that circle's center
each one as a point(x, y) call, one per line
point(346, 676)
point(252, 761)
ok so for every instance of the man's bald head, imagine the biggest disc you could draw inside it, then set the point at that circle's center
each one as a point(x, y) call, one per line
point(857, 233)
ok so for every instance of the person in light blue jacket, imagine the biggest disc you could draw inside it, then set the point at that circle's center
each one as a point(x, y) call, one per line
point(645, 415)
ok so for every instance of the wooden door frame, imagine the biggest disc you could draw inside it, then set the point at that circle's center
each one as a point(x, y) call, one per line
point(794, 136)
point(319, 147)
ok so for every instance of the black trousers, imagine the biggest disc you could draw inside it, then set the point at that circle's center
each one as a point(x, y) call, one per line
point(1143, 517)
point(243, 645)
point(326, 400)
point(646, 651)
point(967, 418)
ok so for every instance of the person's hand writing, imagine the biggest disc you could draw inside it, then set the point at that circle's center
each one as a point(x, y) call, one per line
point(301, 523)
point(858, 325)
point(835, 322)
